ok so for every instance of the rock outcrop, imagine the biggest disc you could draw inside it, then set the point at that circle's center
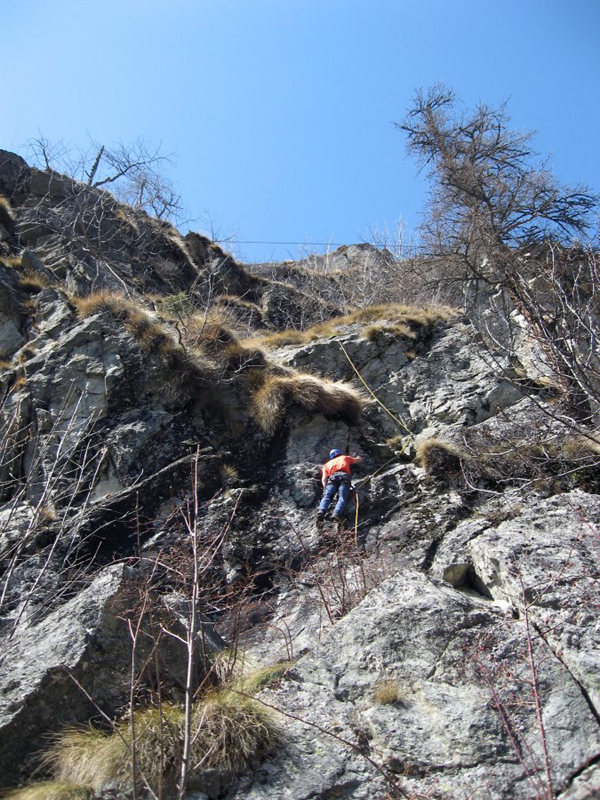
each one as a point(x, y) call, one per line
point(155, 425)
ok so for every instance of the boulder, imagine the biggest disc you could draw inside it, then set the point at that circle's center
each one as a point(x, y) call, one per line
point(543, 564)
point(442, 652)
point(76, 664)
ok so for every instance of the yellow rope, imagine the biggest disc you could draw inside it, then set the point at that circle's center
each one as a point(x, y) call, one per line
point(356, 504)
point(389, 461)
point(371, 392)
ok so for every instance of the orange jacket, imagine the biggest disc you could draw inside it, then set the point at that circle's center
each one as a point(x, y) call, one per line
point(337, 464)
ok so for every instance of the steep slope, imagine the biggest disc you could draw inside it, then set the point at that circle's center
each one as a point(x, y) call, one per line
point(158, 423)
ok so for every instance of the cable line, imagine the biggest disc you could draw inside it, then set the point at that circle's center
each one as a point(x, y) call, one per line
point(321, 244)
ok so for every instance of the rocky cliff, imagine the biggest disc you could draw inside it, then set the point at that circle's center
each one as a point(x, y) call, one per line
point(165, 412)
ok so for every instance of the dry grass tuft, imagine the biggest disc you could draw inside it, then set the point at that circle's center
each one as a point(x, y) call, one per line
point(19, 383)
point(100, 302)
point(261, 677)
point(149, 334)
point(387, 692)
point(229, 473)
point(400, 442)
point(33, 284)
point(229, 732)
point(232, 300)
point(239, 357)
point(85, 756)
point(158, 745)
point(6, 212)
point(214, 337)
point(582, 446)
point(233, 732)
point(278, 392)
point(439, 458)
point(51, 790)
point(12, 262)
point(410, 321)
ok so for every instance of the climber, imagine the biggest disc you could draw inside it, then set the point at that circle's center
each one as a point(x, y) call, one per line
point(335, 477)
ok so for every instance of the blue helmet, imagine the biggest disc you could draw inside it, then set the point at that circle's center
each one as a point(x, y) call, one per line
point(334, 454)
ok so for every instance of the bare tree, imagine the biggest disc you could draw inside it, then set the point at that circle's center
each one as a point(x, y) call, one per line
point(135, 172)
point(489, 190)
point(499, 221)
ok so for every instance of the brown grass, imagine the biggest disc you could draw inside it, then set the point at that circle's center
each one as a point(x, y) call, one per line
point(85, 756)
point(33, 284)
point(6, 212)
point(12, 262)
point(257, 679)
point(101, 302)
point(230, 732)
point(19, 383)
point(238, 357)
point(237, 302)
point(152, 337)
point(233, 732)
point(439, 458)
point(387, 692)
point(278, 392)
point(188, 372)
point(407, 321)
point(229, 473)
point(215, 337)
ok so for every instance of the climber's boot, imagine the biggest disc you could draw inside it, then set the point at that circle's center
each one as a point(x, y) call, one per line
point(339, 519)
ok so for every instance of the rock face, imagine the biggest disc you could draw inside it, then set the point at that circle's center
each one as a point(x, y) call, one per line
point(445, 645)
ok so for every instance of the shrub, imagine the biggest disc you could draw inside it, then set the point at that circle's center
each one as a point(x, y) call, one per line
point(557, 462)
point(174, 306)
point(277, 392)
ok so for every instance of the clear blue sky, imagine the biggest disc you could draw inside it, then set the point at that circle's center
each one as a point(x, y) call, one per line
point(280, 113)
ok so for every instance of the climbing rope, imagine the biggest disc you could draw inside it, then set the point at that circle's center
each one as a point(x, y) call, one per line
point(371, 392)
point(389, 461)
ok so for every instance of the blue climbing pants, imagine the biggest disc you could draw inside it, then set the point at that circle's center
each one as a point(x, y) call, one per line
point(339, 484)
